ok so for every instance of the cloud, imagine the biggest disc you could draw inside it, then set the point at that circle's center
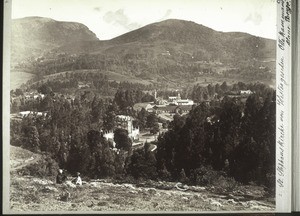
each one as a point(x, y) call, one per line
point(255, 18)
point(98, 9)
point(119, 18)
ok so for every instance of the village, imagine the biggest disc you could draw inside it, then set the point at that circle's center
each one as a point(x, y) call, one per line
point(163, 108)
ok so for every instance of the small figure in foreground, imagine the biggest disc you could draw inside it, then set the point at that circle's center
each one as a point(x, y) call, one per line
point(61, 177)
point(77, 180)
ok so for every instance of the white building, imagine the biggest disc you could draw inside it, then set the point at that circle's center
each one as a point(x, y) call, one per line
point(184, 102)
point(178, 101)
point(124, 122)
point(246, 92)
point(31, 113)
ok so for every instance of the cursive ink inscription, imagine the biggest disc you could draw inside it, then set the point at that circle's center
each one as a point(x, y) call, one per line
point(283, 43)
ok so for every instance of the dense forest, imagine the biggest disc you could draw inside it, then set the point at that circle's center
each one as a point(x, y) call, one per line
point(232, 139)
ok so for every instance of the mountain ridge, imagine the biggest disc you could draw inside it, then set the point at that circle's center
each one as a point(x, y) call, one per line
point(173, 47)
point(32, 36)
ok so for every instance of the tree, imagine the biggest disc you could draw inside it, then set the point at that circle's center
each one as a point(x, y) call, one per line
point(109, 119)
point(122, 140)
point(211, 90)
point(155, 128)
point(142, 118)
point(44, 89)
point(46, 104)
point(249, 126)
point(18, 92)
point(224, 87)
point(152, 122)
point(93, 139)
point(31, 141)
point(147, 98)
point(229, 131)
point(142, 164)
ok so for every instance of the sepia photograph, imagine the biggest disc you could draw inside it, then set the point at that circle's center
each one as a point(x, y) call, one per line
point(142, 106)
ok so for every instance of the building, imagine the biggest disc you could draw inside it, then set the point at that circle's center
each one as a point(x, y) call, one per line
point(173, 109)
point(125, 122)
point(171, 99)
point(34, 95)
point(183, 102)
point(246, 92)
point(140, 106)
point(180, 102)
point(31, 113)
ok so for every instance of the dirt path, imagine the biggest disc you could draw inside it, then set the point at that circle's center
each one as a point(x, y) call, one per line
point(20, 158)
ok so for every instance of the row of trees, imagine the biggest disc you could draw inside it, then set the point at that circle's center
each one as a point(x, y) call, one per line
point(199, 93)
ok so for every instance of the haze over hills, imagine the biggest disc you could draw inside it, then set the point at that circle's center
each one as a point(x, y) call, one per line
point(171, 48)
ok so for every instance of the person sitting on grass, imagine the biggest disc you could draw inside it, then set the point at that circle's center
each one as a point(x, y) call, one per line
point(61, 177)
point(77, 180)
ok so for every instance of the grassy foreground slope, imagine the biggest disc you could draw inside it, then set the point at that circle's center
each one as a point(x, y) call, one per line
point(28, 193)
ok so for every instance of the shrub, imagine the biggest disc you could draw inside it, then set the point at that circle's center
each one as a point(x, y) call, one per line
point(224, 184)
point(206, 176)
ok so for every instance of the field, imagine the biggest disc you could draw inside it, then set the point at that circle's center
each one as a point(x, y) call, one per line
point(28, 193)
point(19, 78)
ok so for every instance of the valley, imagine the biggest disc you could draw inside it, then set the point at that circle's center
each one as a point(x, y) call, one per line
point(167, 117)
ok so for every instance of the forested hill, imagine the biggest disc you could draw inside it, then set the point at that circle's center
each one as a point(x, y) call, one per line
point(181, 37)
point(32, 36)
point(171, 48)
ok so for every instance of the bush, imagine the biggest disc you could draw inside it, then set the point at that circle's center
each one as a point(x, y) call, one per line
point(206, 176)
point(224, 184)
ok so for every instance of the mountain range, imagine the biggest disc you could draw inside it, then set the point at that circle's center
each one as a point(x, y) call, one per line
point(167, 47)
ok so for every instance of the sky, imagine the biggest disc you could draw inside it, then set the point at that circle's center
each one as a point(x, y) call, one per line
point(111, 18)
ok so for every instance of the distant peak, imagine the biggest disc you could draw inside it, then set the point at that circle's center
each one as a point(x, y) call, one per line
point(177, 21)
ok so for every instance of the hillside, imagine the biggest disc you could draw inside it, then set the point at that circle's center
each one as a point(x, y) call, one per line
point(169, 49)
point(189, 37)
point(33, 36)
point(32, 193)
